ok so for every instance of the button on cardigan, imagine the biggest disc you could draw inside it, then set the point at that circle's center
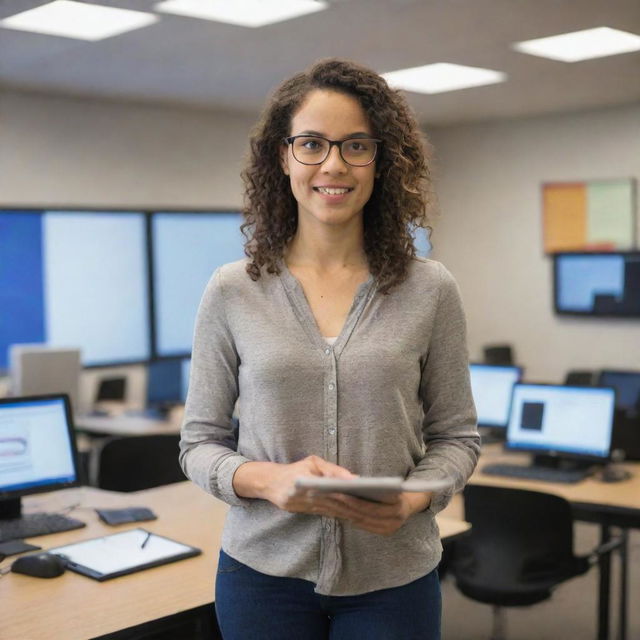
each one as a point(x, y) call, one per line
point(391, 397)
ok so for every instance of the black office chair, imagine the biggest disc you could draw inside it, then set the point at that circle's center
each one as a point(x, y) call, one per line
point(501, 354)
point(580, 378)
point(519, 549)
point(626, 434)
point(137, 462)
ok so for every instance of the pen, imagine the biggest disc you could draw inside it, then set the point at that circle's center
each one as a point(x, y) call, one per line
point(144, 542)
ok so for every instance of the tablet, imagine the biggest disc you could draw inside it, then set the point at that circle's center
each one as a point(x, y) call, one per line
point(369, 488)
point(121, 553)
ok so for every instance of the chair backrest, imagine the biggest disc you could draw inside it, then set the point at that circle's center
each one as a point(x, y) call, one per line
point(580, 378)
point(138, 462)
point(498, 354)
point(626, 434)
point(516, 536)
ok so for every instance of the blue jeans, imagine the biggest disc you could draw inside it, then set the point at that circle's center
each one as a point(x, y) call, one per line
point(252, 605)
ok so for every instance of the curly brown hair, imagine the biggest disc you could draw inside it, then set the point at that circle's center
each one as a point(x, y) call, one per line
point(401, 194)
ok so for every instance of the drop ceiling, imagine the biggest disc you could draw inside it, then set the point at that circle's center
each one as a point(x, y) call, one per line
point(205, 64)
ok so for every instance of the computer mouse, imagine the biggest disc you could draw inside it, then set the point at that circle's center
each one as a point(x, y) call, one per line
point(613, 473)
point(40, 565)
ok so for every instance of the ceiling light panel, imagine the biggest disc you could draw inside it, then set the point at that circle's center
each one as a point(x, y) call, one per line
point(581, 45)
point(244, 13)
point(71, 19)
point(442, 77)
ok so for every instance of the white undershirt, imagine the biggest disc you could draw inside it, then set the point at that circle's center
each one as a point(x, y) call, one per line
point(330, 340)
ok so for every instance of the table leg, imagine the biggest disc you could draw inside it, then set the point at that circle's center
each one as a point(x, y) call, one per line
point(624, 583)
point(604, 564)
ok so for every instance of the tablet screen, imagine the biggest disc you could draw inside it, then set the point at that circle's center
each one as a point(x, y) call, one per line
point(123, 552)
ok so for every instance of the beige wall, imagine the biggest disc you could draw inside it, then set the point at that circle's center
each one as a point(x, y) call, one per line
point(57, 151)
point(490, 232)
point(62, 151)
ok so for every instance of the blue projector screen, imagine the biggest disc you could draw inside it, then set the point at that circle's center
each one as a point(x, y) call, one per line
point(187, 248)
point(75, 279)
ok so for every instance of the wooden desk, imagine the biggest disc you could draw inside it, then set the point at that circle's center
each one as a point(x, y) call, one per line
point(621, 496)
point(74, 607)
point(613, 504)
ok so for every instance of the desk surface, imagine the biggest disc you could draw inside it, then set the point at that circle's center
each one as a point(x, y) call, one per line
point(76, 607)
point(126, 425)
point(623, 495)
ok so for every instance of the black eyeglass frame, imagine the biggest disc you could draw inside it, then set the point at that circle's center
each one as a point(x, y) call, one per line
point(338, 143)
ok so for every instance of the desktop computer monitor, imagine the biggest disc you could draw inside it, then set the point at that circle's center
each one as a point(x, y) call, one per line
point(37, 449)
point(573, 423)
point(627, 386)
point(37, 369)
point(167, 383)
point(491, 386)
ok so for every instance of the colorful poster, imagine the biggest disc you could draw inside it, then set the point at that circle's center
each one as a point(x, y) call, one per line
point(598, 215)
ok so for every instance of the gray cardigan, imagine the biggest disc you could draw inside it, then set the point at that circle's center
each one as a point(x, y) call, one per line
point(391, 397)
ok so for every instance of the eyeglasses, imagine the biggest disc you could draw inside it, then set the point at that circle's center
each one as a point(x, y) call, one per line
point(358, 152)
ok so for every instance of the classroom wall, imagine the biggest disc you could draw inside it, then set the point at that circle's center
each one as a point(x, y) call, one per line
point(58, 151)
point(490, 232)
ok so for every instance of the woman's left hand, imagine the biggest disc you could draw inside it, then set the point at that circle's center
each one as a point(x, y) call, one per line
point(378, 517)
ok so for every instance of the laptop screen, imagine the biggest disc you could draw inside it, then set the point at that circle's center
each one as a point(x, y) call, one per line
point(571, 421)
point(491, 386)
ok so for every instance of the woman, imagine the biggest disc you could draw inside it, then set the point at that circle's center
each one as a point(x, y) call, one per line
point(347, 354)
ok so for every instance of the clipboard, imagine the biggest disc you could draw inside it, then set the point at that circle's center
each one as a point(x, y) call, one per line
point(119, 554)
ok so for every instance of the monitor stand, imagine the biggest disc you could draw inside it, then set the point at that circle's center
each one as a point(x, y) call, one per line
point(491, 435)
point(558, 462)
point(10, 508)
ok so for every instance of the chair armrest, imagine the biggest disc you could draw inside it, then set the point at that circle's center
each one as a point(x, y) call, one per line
point(607, 547)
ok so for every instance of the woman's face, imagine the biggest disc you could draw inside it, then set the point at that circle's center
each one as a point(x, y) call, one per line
point(334, 192)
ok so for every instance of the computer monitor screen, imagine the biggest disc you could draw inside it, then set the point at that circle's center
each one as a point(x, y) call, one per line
point(187, 248)
point(184, 386)
point(167, 382)
point(491, 386)
point(602, 284)
point(627, 386)
point(422, 242)
point(38, 370)
point(37, 448)
point(75, 278)
point(573, 422)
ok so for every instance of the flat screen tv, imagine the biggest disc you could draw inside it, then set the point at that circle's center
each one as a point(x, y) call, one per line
point(75, 279)
point(187, 248)
point(597, 284)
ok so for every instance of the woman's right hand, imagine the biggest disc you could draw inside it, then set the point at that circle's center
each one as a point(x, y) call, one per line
point(276, 483)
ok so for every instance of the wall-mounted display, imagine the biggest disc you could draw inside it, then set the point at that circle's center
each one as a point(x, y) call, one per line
point(75, 279)
point(597, 284)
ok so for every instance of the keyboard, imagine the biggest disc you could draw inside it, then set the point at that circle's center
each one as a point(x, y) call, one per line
point(545, 474)
point(36, 524)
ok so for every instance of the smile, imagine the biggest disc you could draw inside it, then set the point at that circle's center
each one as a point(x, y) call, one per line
point(333, 191)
